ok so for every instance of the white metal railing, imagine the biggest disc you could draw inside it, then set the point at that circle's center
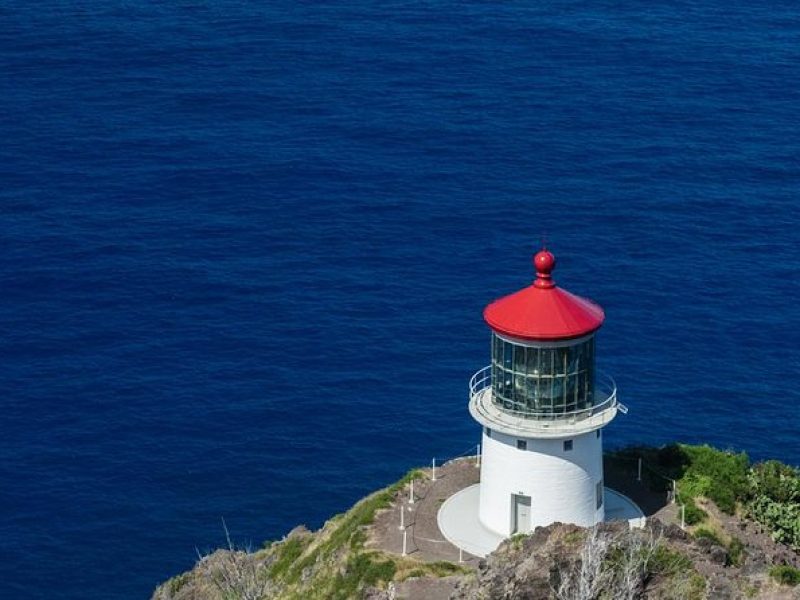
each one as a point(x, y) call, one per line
point(606, 389)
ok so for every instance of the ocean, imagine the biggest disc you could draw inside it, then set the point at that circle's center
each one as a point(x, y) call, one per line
point(246, 247)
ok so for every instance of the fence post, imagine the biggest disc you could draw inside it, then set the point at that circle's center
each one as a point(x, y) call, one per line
point(460, 555)
point(478, 458)
point(402, 517)
point(405, 535)
point(433, 469)
point(674, 491)
point(411, 496)
point(639, 474)
point(683, 516)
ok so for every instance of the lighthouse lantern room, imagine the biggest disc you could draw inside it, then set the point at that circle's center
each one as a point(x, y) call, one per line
point(542, 406)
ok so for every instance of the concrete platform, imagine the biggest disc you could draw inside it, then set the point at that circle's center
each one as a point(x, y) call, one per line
point(459, 524)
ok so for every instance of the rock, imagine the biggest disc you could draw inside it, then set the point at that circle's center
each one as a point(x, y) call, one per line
point(718, 555)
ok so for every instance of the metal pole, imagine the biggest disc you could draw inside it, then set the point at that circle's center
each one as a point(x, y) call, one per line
point(478, 457)
point(411, 495)
point(402, 517)
point(683, 516)
point(433, 468)
point(639, 476)
point(405, 535)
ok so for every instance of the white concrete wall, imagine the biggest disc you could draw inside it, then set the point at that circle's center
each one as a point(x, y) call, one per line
point(561, 483)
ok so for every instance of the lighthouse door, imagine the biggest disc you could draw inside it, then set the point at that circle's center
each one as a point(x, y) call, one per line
point(522, 514)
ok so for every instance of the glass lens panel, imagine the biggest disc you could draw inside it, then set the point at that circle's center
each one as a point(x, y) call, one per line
point(508, 355)
point(519, 358)
point(532, 356)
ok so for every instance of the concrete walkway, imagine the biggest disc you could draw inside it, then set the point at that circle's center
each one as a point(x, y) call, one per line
point(424, 541)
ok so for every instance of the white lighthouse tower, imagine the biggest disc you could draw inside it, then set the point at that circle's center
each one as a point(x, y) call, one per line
point(542, 407)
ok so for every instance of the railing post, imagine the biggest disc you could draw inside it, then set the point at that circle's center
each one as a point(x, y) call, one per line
point(433, 470)
point(402, 517)
point(460, 555)
point(674, 491)
point(405, 546)
point(683, 516)
point(411, 495)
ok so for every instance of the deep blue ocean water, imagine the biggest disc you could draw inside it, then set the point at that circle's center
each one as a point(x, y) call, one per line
point(245, 248)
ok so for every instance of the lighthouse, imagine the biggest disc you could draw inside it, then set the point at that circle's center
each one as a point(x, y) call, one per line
point(542, 406)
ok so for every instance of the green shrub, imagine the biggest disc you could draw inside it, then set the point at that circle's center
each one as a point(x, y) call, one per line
point(666, 561)
point(785, 574)
point(672, 458)
point(362, 570)
point(704, 533)
point(718, 475)
point(692, 513)
point(776, 481)
point(288, 552)
point(442, 568)
point(775, 500)
point(176, 583)
point(346, 529)
point(736, 552)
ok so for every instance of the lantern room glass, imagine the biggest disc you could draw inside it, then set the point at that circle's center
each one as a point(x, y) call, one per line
point(542, 382)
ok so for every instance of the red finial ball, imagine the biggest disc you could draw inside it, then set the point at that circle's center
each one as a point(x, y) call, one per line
point(545, 262)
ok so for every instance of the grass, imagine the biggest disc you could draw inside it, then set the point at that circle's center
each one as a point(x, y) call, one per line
point(666, 561)
point(516, 540)
point(347, 528)
point(733, 545)
point(785, 575)
point(363, 569)
point(334, 564)
point(411, 567)
point(287, 553)
point(705, 533)
point(736, 552)
point(176, 583)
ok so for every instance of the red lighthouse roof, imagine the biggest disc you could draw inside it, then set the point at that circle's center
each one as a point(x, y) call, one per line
point(543, 311)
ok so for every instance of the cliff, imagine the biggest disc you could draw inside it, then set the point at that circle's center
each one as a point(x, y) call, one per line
point(742, 541)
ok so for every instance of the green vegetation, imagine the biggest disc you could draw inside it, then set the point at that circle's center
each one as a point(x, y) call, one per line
point(575, 537)
point(705, 533)
point(665, 561)
point(334, 564)
point(686, 583)
point(715, 474)
point(363, 569)
point(736, 552)
point(693, 514)
point(286, 554)
point(734, 547)
point(775, 500)
point(768, 492)
point(346, 529)
point(442, 568)
point(176, 583)
point(785, 574)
